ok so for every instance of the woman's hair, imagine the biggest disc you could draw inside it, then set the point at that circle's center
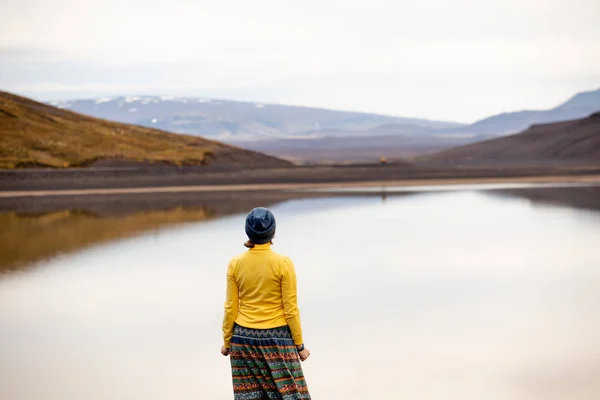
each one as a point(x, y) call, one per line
point(250, 245)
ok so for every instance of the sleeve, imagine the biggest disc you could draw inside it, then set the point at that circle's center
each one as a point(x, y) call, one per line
point(290, 301)
point(232, 306)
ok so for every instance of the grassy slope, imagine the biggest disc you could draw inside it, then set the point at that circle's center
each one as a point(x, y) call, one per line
point(35, 134)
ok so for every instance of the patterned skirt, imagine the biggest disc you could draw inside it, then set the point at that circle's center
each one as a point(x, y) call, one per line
point(265, 365)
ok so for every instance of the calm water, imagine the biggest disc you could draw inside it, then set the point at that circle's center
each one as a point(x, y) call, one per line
point(461, 295)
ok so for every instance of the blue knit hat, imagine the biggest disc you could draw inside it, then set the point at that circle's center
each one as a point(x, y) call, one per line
point(260, 225)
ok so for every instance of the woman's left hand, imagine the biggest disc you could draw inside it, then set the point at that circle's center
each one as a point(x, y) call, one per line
point(225, 350)
point(304, 354)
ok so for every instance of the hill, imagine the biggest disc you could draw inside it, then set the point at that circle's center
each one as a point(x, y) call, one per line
point(236, 120)
point(36, 134)
point(579, 106)
point(572, 141)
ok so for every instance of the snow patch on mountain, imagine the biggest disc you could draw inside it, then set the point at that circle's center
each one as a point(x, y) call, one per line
point(104, 100)
point(64, 104)
point(60, 103)
point(150, 100)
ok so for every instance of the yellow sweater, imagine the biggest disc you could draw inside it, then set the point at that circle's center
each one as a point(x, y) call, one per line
point(261, 293)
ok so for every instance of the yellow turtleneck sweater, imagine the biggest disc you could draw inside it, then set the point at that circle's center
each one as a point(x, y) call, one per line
point(261, 293)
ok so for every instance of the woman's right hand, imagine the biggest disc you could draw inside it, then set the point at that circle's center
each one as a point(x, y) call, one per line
point(304, 354)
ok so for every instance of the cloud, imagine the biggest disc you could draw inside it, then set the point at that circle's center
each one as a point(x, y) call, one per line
point(392, 56)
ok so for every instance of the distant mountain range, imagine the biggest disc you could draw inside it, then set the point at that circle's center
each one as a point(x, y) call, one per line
point(235, 120)
point(574, 141)
point(579, 106)
point(36, 134)
point(305, 134)
point(338, 149)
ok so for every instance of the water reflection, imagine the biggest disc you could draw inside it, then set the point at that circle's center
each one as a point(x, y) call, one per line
point(462, 295)
point(585, 197)
point(33, 229)
point(30, 237)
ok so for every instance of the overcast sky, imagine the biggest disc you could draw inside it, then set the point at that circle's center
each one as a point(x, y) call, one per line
point(456, 60)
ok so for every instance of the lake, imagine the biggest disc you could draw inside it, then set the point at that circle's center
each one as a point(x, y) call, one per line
point(466, 294)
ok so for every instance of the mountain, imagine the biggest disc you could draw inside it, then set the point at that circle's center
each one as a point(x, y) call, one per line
point(339, 149)
point(579, 106)
point(568, 141)
point(235, 120)
point(304, 134)
point(36, 134)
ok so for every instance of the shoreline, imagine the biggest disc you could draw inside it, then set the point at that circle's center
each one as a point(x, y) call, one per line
point(299, 186)
point(322, 176)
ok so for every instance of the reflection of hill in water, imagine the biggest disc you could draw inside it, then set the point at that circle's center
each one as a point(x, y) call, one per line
point(26, 238)
point(587, 198)
point(41, 228)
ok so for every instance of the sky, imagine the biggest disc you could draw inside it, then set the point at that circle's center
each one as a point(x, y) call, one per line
point(457, 60)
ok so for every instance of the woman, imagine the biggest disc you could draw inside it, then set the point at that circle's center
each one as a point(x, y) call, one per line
point(261, 328)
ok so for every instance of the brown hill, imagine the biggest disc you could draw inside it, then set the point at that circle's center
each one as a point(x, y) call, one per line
point(569, 141)
point(36, 134)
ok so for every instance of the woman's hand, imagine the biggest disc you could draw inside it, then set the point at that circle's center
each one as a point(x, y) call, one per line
point(225, 350)
point(304, 354)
